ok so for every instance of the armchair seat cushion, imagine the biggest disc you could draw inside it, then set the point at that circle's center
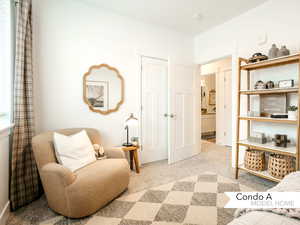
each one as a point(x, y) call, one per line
point(97, 184)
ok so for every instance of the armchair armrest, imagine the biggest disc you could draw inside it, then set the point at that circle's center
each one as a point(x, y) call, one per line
point(63, 174)
point(116, 153)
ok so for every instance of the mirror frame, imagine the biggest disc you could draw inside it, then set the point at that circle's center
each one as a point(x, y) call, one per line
point(84, 89)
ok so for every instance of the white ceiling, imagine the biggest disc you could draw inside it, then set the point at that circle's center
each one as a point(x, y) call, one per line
point(179, 14)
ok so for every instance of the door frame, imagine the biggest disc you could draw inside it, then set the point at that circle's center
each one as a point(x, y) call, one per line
point(140, 63)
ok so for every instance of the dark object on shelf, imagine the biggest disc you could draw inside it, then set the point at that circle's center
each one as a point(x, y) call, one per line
point(281, 140)
point(270, 84)
point(254, 160)
point(203, 110)
point(265, 114)
point(257, 57)
point(286, 83)
point(260, 85)
point(273, 52)
point(279, 115)
point(283, 51)
point(279, 165)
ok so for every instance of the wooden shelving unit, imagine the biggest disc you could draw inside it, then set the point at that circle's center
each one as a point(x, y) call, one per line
point(292, 151)
point(271, 62)
point(263, 174)
point(268, 119)
point(269, 91)
point(269, 147)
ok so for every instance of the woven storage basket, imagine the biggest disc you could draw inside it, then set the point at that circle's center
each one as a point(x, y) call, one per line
point(254, 160)
point(280, 165)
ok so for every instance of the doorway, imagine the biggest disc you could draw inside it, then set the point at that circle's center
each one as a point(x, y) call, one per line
point(170, 108)
point(208, 107)
point(216, 102)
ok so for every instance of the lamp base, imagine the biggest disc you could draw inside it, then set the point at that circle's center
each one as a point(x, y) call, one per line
point(127, 144)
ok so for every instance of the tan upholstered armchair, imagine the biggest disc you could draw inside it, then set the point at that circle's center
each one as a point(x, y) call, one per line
point(83, 192)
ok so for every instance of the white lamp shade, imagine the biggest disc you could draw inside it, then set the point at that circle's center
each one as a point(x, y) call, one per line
point(131, 121)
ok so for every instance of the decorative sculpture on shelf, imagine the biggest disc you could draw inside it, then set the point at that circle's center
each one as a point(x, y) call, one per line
point(283, 51)
point(273, 52)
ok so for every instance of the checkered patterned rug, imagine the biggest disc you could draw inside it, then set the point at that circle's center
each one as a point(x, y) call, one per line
point(196, 200)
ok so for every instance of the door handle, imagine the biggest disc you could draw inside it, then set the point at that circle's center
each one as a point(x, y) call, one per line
point(166, 115)
point(172, 115)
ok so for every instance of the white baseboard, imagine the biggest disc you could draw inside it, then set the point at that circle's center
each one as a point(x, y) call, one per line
point(4, 214)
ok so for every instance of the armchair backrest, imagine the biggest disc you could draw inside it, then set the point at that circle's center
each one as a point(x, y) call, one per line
point(43, 146)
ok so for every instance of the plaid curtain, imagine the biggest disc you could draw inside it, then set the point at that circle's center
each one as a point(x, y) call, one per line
point(24, 181)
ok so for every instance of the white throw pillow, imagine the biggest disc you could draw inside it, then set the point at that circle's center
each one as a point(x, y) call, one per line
point(74, 151)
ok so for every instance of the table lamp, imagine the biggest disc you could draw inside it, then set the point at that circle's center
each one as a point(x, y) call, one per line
point(131, 121)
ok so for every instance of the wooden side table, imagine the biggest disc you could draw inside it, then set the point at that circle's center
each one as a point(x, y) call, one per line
point(133, 154)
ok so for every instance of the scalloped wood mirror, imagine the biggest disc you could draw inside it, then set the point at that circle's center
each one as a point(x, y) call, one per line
point(103, 89)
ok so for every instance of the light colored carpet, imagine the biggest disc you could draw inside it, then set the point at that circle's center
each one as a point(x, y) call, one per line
point(213, 158)
point(197, 200)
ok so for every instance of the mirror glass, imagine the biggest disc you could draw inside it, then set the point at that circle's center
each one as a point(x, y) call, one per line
point(103, 89)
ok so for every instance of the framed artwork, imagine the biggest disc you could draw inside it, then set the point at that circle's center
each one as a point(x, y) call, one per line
point(286, 83)
point(103, 89)
point(97, 94)
point(270, 104)
point(212, 97)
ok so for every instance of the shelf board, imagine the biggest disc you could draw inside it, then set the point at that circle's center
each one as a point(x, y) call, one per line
point(268, 119)
point(263, 174)
point(272, 62)
point(269, 147)
point(269, 91)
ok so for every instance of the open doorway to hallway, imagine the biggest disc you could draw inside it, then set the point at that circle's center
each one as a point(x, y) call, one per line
point(216, 102)
point(208, 107)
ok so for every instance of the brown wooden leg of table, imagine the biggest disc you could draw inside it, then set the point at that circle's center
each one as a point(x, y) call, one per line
point(136, 161)
point(131, 159)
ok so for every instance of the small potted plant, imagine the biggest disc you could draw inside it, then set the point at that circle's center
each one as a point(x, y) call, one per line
point(292, 112)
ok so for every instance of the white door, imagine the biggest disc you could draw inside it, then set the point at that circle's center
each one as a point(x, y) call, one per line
point(184, 112)
point(154, 107)
point(227, 108)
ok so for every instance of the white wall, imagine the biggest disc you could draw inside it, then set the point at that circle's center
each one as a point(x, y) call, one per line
point(214, 67)
point(277, 20)
point(4, 173)
point(69, 37)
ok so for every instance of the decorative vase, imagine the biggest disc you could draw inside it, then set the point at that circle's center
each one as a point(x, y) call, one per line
point(283, 51)
point(270, 84)
point(273, 52)
point(259, 85)
point(292, 115)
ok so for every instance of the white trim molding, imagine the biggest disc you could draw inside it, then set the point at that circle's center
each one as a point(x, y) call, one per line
point(4, 214)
